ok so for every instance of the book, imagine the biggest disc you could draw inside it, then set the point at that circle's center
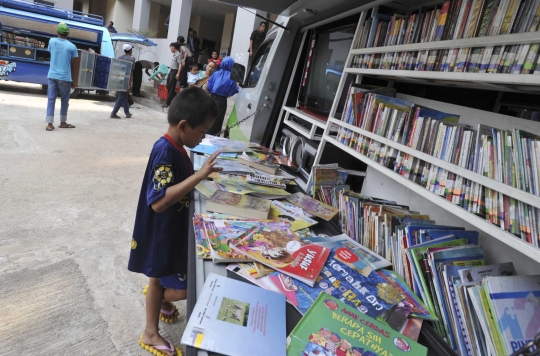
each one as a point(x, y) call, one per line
point(331, 327)
point(366, 257)
point(514, 304)
point(275, 246)
point(227, 166)
point(312, 206)
point(206, 188)
point(370, 294)
point(261, 165)
point(298, 221)
point(264, 180)
point(263, 282)
point(238, 205)
point(236, 318)
point(241, 186)
point(220, 232)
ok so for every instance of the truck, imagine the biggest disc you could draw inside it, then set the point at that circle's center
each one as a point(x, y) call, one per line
point(25, 30)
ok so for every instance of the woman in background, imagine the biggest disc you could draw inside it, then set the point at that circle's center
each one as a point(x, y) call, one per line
point(220, 86)
point(203, 82)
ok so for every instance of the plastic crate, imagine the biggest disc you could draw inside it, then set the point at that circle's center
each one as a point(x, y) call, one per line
point(162, 91)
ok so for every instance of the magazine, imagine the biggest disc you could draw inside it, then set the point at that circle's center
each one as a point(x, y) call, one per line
point(281, 211)
point(220, 233)
point(313, 206)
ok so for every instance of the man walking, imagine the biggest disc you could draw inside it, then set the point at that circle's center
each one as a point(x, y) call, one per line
point(257, 37)
point(59, 77)
point(122, 99)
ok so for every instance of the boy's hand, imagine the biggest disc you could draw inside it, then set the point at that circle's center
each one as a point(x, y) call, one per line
point(209, 166)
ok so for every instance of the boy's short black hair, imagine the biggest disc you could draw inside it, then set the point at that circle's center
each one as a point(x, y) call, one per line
point(175, 45)
point(193, 105)
point(193, 66)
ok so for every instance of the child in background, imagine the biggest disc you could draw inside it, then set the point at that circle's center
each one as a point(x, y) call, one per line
point(193, 74)
point(160, 236)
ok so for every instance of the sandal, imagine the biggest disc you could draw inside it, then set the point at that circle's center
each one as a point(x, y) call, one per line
point(156, 350)
point(168, 316)
point(48, 128)
point(67, 126)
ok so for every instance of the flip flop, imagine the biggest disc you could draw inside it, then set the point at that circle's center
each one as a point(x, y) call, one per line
point(68, 126)
point(156, 350)
point(49, 129)
point(168, 316)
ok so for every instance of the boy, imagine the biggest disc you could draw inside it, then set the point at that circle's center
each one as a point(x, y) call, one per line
point(122, 99)
point(59, 77)
point(193, 74)
point(159, 244)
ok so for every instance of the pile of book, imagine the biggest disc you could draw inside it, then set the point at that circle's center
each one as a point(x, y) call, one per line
point(511, 157)
point(453, 20)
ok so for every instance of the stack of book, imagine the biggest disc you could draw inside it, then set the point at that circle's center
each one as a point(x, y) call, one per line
point(454, 20)
point(511, 157)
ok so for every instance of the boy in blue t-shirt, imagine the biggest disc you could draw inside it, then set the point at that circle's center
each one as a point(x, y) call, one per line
point(160, 237)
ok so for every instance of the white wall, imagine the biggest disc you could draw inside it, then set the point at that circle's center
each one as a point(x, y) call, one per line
point(65, 4)
point(123, 17)
point(228, 28)
point(245, 23)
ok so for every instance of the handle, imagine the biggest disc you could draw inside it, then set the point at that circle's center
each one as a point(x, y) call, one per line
point(249, 106)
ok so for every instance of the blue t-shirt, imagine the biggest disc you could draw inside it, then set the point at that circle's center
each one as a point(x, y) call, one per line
point(62, 51)
point(160, 240)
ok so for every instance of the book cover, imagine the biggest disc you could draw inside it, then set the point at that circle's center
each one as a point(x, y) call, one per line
point(514, 303)
point(236, 318)
point(226, 145)
point(263, 282)
point(442, 21)
point(238, 205)
point(241, 186)
point(333, 328)
point(201, 241)
point(275, 246)
point(206, 188)
point(371, 294)
point(298, 221)
point(313, 206)
point(220, 233)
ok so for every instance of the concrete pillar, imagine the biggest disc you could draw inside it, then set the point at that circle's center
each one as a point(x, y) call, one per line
point(179, 20)
point(195, 22)
point(86, 6)
point(228, 27)
point(141, 14)
point(246, 22)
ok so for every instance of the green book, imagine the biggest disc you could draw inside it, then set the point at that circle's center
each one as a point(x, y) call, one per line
point(492, 323)
point(332, 327)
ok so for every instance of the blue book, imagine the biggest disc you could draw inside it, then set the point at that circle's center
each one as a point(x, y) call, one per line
point(429, 235)
point(370, 295)
point(237, 318)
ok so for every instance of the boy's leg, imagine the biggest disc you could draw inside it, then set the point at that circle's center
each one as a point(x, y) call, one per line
point(52, 93)
point(175, 290)
point(64, 87)
point(154, 297)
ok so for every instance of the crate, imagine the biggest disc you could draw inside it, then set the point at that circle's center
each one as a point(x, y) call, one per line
point(162, 91)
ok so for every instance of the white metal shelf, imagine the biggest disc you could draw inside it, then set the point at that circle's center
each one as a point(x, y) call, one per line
point(516, 38)
point(496, 78)
point(302, 130)
point(510, 191)
point(498, 233)
point(304, 116)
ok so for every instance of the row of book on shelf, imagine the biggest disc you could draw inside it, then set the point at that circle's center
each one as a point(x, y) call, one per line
point(351, 300)
point(451, 20)
point(454, 20)
point(511, 157)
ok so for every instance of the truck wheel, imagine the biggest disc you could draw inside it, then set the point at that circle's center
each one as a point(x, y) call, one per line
point(74, 93)
point(44, 87)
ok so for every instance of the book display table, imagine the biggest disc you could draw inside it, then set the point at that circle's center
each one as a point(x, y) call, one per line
point(198, 270)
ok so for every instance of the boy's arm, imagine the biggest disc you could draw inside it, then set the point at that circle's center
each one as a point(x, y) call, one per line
point(175, 193)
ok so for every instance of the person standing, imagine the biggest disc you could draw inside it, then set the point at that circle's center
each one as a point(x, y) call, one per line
point(123, 96)
point(221, 86)
point(111, 28)
point(59, 77)
point(257, 37)
point(137, 75)
point(185, 60)
point(174, 74)
point(215, 58)
point(196, 49)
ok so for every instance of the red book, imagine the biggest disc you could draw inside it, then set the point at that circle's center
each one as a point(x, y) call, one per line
point(275, 246)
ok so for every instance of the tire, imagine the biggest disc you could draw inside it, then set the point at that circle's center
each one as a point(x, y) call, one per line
point(74, 93)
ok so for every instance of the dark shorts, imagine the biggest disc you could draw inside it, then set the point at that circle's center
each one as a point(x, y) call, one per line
point(174, 281)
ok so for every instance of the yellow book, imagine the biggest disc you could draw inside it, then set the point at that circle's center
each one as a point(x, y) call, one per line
point(509, 17)
point(491, 323)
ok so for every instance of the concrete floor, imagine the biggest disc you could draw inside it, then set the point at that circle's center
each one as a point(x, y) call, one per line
point(71, 194)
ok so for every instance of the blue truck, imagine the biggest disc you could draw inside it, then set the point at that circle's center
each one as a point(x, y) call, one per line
point(26, 28)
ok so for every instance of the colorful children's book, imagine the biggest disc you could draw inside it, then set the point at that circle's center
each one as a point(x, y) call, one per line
point(226, 145)
point(371, 295)
point(241, 186)
point(201, 242)
point(366, 260)
point(280, 211)
point(236, 318)
point(206, 188)
point(313, 206)
point(263, 282)
point(220, 233)
point(515, 305)
point(333, 328)
point(275, 246)
point(238, 205)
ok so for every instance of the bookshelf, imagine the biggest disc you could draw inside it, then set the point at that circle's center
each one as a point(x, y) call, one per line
point(502, 82)
point(311, 121)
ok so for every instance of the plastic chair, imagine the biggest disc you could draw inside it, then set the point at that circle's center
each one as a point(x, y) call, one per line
point(159, 73)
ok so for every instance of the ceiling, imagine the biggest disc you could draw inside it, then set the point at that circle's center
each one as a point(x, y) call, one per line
point(207, 8)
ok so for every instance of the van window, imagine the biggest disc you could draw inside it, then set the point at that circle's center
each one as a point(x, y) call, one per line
point(258, 64)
